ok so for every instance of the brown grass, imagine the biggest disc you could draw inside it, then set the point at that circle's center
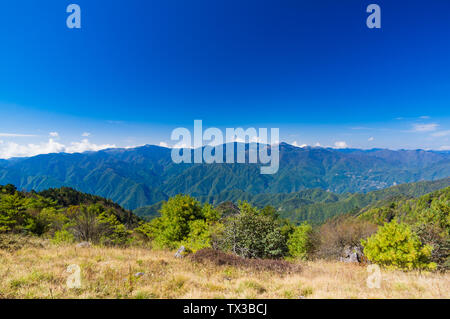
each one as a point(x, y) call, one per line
point(219, 258)
point(40, 272)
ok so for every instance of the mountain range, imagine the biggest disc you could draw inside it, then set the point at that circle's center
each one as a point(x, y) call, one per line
point(146, 175)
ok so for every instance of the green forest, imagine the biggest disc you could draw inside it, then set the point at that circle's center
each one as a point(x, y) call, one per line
point(314, 205)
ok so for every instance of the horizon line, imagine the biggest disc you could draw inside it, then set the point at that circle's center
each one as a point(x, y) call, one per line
point(225, 144)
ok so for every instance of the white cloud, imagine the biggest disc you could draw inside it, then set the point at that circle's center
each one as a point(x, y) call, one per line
point(134, 146)
point(253, 139)
point(15, 135)
point(163, 144)
point(237, 140)
point(317, 144)
point(256, 139)
point(86, 134)
point(11, 149)
point(297, 145)
point(445, 148)
point(371, 139)
point(341, 144)
point(183, 145)
point(441, 133)
point(425, 127)
point(54, 134)
point(85, 145)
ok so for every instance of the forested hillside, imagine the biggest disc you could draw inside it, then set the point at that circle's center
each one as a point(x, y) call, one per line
point(64, 215)
point(432, 208)
point(314, 205)
point(146, 175)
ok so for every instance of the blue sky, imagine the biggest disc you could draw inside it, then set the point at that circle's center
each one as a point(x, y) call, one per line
point(138, 69)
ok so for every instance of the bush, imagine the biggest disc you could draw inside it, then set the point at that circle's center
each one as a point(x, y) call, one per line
point(95, 224)
point(301, 242)
point(84, 223)
point(113, 232)
point(433, 235)
point(199, 236)
point(252, 234)
point(395, 245)
point(339, 233)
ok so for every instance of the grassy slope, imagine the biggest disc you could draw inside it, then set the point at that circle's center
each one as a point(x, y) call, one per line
point(38, 270)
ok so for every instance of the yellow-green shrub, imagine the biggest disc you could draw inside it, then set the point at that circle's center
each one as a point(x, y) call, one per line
point(395, 245)
point(300, 242)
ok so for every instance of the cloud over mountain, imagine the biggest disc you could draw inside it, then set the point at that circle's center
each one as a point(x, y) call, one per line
point(13, 149)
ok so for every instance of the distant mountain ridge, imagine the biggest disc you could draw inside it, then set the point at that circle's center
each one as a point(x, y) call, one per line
point(146, 175)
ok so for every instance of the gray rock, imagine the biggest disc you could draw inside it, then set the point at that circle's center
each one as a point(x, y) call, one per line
point(353, 258)
point(84, 244)
point(139, 274)
point(179, 253)
point(352, 255)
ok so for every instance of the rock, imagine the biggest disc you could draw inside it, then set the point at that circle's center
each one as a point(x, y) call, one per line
point(353, 258)
point(139, 274)
point(84, 244)
point(352, 255)
point(179, 253)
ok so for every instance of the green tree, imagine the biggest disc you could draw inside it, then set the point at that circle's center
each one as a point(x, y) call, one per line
point(270, 211)
point(210, 214)
point(183, 221)
point(199, 235)
point(395, 245)
point(113, 232)
point(13, 213)
point(301, 241)
point(8, 189)
point(173, 225)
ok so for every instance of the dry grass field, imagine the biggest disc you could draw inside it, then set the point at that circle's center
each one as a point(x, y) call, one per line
point(40, 271)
